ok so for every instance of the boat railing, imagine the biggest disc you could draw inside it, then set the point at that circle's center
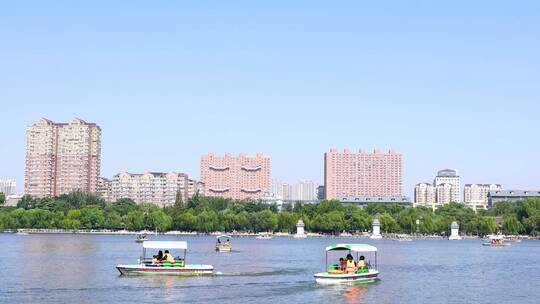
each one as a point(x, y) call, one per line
point(178, 262)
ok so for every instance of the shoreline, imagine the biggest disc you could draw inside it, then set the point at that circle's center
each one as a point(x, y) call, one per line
point(391, 236)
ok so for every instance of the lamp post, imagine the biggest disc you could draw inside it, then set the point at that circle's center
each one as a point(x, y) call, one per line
point(420, 217)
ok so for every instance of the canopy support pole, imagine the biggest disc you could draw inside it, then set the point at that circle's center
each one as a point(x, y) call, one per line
point(326, 261)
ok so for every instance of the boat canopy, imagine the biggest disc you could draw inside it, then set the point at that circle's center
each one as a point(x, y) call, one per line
point(223, 236)
point(165, 244)
point(496, 237)
point(352, 247)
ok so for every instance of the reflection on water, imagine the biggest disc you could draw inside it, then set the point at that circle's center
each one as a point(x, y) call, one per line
point(81, 269)
point(355, 294)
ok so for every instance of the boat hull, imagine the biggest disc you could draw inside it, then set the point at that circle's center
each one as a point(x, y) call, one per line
point(495, 245)
point(352, 278)
point(188, 270)
point(223, 248)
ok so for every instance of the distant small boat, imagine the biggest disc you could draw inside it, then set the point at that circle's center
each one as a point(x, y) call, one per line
point(512, 238)
point(141, 238)
point(21, 232)
point(402, 238)
point(223, 243)
point(496, 241)
point(265, 236)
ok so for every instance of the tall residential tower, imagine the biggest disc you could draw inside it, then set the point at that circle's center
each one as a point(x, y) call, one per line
point(362, 174)
point(237, 177)
point(62, 157)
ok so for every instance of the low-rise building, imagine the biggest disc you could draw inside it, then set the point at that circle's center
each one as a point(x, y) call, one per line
point(13, 200)
point(495, 196)
point(104, 188)
point(363, 201)
point(151, 187)
point(475, 196)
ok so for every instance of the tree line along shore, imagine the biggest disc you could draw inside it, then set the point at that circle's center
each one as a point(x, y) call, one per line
point(201, 214)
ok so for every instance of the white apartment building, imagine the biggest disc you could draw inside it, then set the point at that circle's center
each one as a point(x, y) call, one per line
point(451, 179)
point(425, 195)
point(444, 194)
point(151, 187)
point(8, 187)
point(475, 196)
point(303, 190)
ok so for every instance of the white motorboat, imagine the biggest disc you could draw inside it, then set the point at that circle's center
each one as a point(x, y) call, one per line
point(336, 274)
point(265, 236)
point(141, 238)
point(496, 241)
point(223, 243)
point(177, 267)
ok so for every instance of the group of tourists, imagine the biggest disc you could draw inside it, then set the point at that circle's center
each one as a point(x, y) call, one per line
point(348, 264)
point(227, 242)
point(159, 258)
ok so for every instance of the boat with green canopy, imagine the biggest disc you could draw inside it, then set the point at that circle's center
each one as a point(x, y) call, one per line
point(350, 270)
point(169, 265)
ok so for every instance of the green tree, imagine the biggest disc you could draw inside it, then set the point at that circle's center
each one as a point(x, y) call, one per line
point(287, 221)
point(2, 198)
point(241, 221)
point(157, 219)
point(186, 222)
point(426, 224)
point(388, 223)
point(207, 221)
point(266, 220)
point(38, 218)
point(135, 220)
point(486, 225)
point(511, 225)
point(72, 219)
point(356, 219)
point(92, 218)
point(122, 206)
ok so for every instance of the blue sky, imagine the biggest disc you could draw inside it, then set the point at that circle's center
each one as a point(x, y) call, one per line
point(448, 84)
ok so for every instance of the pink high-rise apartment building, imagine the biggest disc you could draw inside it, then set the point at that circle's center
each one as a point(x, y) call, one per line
point(237, 177)
point(362, 174)
point(62, 157)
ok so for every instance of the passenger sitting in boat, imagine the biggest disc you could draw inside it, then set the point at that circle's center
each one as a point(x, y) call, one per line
point(155, 260)
point(160, 256)
point(351, 265)
point(168, 257)
point(362, 263)
point(342, 263)
point(218, 241)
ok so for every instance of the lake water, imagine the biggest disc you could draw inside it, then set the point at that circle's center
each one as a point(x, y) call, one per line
point(81, 269)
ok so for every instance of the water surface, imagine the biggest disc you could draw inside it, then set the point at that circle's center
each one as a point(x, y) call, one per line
point(81, 269)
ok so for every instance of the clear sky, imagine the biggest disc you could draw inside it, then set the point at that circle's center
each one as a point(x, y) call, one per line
point(446, 83)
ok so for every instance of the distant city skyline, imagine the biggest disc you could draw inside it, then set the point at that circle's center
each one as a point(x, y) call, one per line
point(448, 85)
